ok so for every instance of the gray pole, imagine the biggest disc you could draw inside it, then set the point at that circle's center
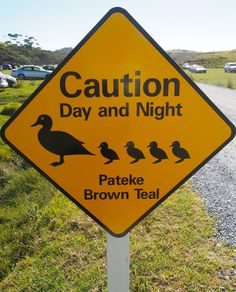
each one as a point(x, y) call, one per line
point(118, 263)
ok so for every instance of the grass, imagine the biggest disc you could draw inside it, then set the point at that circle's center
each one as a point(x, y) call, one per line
point(19, 93)
point(215, 59)
point(10, 108)
point(48, 244)
point(216, 77)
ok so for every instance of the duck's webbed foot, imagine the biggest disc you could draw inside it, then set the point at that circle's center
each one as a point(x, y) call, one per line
point(134, 161)
point(58, 162)
point(180, 160)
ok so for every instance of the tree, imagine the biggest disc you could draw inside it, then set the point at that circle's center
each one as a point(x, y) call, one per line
point(23, 49)
point(22, 40)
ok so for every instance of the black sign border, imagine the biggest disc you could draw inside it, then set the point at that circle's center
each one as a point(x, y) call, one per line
point(171, 61)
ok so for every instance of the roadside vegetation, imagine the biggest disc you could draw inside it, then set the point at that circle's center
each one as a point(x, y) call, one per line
point(49, 244)
point(214, 63)
point(208, 60)
point(215, 77)
point(215, 59)
point(18, 93)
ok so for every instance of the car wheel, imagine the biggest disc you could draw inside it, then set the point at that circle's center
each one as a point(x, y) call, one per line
point(10, 83)
point(46, 76)
point(21, 76)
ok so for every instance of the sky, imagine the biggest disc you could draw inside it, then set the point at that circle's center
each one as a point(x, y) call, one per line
point(198, 25)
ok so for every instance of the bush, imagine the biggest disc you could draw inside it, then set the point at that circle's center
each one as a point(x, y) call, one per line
point(19, 84)
point(10, 108)
point(230, 84)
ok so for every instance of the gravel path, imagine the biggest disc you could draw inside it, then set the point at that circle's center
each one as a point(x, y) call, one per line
point(216, 181)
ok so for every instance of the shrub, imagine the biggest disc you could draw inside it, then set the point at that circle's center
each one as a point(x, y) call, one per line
point(230, 84)
point(10, 108)
point(19, 84)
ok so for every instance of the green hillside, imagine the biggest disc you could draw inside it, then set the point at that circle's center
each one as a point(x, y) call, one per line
point(19, 50)
point(215, 59)
point(183, 56)
point(208, 60)
point(25, 50)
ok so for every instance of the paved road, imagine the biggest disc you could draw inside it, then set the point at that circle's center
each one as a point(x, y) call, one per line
point(216, 181)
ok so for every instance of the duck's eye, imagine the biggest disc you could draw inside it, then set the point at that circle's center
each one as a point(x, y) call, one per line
point(42, 118)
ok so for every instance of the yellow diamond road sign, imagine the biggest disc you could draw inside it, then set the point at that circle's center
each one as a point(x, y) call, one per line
point(118, 126)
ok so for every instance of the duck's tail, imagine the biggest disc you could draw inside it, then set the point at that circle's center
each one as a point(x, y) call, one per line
point(86, 152)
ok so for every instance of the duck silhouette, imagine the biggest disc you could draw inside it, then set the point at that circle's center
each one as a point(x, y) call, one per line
point(157, 152)
point(108, 153)
point(134, 152)
point(179, 152)
point(58, 142)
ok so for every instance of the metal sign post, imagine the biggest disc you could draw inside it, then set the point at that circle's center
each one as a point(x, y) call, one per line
point(118, 263)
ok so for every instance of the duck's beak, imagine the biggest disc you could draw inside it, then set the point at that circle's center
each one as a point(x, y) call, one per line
point(126, 145)
point(149, 145)
point(100, 146)
point(172, 145)
point(35, 124)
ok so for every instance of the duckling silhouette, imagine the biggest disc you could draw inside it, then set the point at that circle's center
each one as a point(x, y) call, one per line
point(134, 152)
point(157, 152)
point(58, 142)
point(179, 152)
point(108, 153)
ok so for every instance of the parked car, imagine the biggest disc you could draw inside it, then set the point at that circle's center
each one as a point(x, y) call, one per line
point(30, 72)
point(6, 67)
point(230, 67)
point(3, 81)
point(197, 69)
point(10, 80)
point(186, 66)
point(49, 67)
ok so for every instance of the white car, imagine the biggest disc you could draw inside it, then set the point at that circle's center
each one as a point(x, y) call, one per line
point(10, 80)
point(186, 66)
point(230, 67)
point(3, 81)
point(197, 69)
point(30, 72)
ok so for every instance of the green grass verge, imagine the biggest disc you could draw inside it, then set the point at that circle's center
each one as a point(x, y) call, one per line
point(215, 77)
point(48, 244)
point(19, 92)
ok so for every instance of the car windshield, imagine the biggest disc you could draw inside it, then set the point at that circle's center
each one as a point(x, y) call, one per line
point(37, 68)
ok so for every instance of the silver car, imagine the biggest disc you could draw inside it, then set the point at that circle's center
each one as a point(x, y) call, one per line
point(30, 72)
point(230, 67)
point(197, 69)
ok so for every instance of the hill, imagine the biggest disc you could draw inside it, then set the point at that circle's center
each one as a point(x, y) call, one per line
point(66, 50)
point(183, 56)
point(15, 54)
point(215, 59)
point(27, 52)
point(208, 60)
